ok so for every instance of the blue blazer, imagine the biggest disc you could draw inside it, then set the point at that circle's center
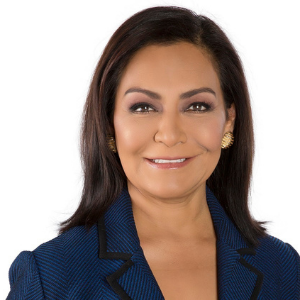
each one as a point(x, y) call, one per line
point(108, 263)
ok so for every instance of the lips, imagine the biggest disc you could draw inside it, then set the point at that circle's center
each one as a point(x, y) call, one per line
point(168, 163)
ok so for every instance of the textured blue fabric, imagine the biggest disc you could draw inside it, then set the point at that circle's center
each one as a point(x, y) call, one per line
point(107, 262)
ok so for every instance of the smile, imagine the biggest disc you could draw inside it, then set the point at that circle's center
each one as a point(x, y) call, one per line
point(168, 163)
point(164, 161)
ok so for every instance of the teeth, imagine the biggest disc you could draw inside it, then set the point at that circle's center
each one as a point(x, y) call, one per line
point(163, 161)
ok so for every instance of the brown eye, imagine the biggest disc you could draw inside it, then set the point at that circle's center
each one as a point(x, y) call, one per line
point(199, 107)
point(141, 108)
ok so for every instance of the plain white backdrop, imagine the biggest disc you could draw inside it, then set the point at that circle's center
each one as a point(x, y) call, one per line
point(49, 50)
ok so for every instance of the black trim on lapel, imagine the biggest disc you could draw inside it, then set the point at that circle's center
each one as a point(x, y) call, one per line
point(112, 279)
point(260, 275)
point(235, 274)
point(249, 251)
point(103, 247)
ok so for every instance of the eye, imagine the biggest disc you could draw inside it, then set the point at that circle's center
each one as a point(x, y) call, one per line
point(141, 108)
point(199, 107)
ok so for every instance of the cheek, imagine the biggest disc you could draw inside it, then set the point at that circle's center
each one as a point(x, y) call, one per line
point(210, 133)
point(131, 136)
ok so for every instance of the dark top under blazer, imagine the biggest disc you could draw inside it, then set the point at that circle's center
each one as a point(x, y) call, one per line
point(108, 263)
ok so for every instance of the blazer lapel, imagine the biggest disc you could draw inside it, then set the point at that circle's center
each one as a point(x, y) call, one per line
point(130, 276)
point(237, 278)
point(119, 247)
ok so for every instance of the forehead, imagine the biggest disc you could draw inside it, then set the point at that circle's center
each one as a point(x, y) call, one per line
point(172, 68)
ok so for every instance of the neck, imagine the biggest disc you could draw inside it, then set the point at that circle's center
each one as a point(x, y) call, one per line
point(187, 217)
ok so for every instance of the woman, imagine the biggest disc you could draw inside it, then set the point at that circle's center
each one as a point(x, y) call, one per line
point(167, 149)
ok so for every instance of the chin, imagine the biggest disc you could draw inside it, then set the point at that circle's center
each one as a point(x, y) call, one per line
point(169, 192)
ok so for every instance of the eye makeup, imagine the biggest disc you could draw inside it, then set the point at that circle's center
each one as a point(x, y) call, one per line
point(141, 105)
point(198, 107)
point(206, 105)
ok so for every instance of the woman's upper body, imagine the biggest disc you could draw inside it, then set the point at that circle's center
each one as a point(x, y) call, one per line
point(166, 102)
point(108, 263)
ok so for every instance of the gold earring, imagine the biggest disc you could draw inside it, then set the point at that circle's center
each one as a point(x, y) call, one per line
point(227, 140)
point(111, 143)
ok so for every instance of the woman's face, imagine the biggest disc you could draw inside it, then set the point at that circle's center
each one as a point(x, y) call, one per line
point(169, 105)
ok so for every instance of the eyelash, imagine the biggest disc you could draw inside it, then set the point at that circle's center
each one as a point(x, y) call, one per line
point(133, 108)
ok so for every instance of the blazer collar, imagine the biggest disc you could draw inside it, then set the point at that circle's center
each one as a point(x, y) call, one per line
point(132, 277)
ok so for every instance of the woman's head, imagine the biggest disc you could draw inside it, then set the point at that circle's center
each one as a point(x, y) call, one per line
point(169, 104)
point(160, 28)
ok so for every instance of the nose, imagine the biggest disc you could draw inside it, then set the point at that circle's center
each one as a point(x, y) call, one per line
point(170, 130)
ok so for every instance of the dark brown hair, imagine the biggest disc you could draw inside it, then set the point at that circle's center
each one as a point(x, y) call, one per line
point(104, 177)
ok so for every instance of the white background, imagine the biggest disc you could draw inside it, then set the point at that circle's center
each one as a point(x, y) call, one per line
point(49, 50)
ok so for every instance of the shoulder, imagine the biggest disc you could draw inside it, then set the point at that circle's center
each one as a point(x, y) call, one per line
point(49, 268)
point(275, 248)
point(61, 254)
point(279, 261)
point(24, 278)
point(75, 239)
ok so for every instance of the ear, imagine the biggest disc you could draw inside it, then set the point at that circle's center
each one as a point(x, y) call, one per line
point(231, 114)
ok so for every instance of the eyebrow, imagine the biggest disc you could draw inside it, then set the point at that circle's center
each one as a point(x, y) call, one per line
point(184, 95)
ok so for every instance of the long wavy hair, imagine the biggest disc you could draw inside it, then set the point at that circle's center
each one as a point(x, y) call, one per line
point(104, 177)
